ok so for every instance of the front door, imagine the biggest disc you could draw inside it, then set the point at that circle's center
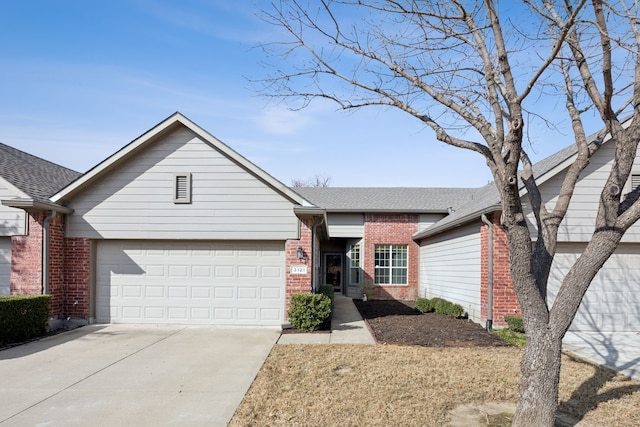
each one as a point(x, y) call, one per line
point(333, 271)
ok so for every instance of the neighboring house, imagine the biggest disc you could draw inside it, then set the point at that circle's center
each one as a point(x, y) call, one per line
point(451, 268)
point(176, 227)
point(29, 181)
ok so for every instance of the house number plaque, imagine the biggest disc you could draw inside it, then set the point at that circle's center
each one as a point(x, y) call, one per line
point(298, 269)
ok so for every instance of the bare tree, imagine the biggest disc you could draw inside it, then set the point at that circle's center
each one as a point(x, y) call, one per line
point(315, 181)
point(476, 78)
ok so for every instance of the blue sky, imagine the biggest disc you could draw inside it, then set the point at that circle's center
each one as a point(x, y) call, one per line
point(81, 79)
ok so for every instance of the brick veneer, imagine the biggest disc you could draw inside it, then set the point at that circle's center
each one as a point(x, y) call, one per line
point(77, 268)
point(381, 229)
point(299, 283)
point(505, 301)
point(26, 258)
point(68, 267)
point(56, 266)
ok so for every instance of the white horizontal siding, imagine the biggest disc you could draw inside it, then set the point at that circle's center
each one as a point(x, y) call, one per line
point(12, 220)
point(612, 302)
point(135, 201)
point(350, 225)
point(450, 268)
point(427, 220)
point(578, 225)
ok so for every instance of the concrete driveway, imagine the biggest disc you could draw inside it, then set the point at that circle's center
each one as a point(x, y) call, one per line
point(131, 375)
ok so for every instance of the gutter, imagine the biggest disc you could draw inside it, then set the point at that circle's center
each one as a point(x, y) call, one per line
point(33, 204)
point(489, 224)
point(437, 229)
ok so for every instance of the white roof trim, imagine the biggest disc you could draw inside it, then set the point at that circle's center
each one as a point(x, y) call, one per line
point(28, 203)
point(171, 121)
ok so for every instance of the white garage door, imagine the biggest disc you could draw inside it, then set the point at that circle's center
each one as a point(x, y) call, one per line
point(5, 265)
point(190, 282)
point(612, 302)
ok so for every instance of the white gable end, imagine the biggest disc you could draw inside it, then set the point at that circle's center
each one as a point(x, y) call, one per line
point(137, 199)
point(578, 225)
point(12, 220)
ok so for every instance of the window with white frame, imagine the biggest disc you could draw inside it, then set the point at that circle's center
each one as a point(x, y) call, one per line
point(391, 264)
point(354, 264)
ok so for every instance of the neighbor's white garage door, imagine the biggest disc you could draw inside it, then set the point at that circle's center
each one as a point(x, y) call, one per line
point(5, 265)
point(190, 283)
point(612, 302)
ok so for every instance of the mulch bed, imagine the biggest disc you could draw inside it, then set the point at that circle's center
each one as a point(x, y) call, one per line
point(398, 322)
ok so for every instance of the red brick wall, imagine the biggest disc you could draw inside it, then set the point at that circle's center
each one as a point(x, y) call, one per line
point(26, 258)
point(395, 230)
point(68, 267)
point(299, 283)
point(77, 263)
point(56, 263)
point(505, 301)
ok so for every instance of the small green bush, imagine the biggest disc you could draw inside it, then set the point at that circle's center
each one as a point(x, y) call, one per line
point(515, 323)
point(452, 310)
point(307, 312)
point(424, 305)
point(441, 306)
point(328, 291)
point(438, 304)
point(23, 317)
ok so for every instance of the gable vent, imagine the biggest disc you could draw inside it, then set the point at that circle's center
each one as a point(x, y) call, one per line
point(182, 188)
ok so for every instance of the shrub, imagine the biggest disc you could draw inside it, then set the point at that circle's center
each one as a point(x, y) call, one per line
point(452, 310)
point(23, 317)
point(442, 306)
point(424, 305)
point(515, 323)
point(307, 312)
point(328, 291)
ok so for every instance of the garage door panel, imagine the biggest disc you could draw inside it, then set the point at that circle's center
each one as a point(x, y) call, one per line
point(175, 282)
point(612, 302)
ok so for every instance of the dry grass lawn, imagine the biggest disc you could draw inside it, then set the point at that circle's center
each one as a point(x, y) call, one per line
point(389, 385)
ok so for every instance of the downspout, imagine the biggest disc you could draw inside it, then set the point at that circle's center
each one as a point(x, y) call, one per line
point(45, 252)
point(489, 224)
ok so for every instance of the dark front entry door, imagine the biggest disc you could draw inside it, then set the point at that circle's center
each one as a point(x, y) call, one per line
point(333, 271)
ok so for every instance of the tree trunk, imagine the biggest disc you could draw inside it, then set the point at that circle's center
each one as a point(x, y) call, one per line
point(540, 369)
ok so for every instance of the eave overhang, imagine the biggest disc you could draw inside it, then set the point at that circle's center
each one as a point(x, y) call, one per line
point(36, 205)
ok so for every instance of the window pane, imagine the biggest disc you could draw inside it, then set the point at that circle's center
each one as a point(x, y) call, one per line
point(382, 255)
point(399, 276)
point(355, 276)
point(355, 256)
point(382, 276)
point(399, 256)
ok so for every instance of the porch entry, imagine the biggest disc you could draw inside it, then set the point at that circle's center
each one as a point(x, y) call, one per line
point(333, 271)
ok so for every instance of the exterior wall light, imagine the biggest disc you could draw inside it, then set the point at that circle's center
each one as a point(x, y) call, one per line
point(300, 252)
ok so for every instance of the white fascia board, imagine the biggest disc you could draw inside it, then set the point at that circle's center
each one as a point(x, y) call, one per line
point(28, 203)
point(171, 121)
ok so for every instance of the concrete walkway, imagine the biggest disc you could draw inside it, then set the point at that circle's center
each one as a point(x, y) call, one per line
point(347, 327)
point(113, 375)
point(619, 351)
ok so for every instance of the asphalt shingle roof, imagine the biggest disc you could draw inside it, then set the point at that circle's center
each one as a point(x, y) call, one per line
point(36, 177)
point(386, 199)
